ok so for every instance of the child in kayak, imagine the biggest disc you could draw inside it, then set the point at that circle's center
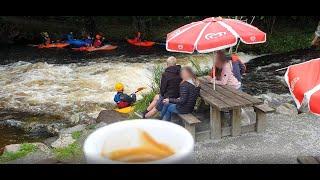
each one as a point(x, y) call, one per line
point(123, 100)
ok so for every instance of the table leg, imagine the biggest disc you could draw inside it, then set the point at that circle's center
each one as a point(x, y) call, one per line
point(236, 122)
point(215, 123)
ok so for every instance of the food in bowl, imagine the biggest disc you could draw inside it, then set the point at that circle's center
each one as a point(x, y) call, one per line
point(149, 150)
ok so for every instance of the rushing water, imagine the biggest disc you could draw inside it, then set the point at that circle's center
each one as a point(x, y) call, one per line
point(63, 82)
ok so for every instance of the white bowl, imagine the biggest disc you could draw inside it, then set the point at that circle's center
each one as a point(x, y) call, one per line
point(125, 134)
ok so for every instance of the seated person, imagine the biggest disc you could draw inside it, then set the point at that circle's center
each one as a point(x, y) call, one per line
point(222, 71)
point(123, 100)
point(189, 92)
point(169, 87)
point(97, 41)
point(238, 67)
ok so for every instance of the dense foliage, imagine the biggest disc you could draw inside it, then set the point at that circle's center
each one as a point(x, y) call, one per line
point(26, 29)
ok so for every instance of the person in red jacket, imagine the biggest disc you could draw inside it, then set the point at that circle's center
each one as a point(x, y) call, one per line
point(97, 41)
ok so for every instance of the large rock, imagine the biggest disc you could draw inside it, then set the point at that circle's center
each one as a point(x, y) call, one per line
point(287, 109)
point(111, 116)
point(11, 148)
point(275, 100)
point(42, 152)
point(35, 128)
point(16, 147)
point(81, 118)
point(79, 127)
point(63, 141)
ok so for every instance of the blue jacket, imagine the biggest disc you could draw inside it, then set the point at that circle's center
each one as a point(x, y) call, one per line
point(120, 96)
point(238, 69)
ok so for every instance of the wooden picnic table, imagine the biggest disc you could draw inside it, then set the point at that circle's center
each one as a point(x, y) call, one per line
point(225, 98)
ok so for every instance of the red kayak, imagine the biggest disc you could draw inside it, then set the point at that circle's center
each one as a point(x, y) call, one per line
point(91, 49)
point(53, 45)
point(141, 43)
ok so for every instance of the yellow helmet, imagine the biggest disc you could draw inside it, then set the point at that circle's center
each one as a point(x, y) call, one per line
point(119, 87)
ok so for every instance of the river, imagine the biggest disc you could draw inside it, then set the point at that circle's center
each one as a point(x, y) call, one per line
point(60, 82)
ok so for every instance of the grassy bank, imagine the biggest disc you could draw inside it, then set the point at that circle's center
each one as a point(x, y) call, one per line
point(25, 149)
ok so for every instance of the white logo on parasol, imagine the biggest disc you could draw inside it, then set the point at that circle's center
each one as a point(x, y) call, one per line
point(294, 82)
point(180, 46)
point(253, 38)
point(214, 35)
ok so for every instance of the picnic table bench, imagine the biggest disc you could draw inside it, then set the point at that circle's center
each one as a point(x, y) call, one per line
point(225, 98)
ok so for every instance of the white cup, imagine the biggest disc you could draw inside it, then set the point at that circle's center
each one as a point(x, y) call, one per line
point(125, 134)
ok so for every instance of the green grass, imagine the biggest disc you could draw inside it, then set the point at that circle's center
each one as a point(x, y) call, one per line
point(25, 149)
point(92, 126)
point(76, 134)
point(142, 104)
point(73, 151)
point(198, 70)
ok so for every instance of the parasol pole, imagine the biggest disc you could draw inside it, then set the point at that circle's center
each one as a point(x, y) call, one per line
point(214, 72)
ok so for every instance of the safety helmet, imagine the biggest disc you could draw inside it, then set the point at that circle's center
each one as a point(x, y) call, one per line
point(119, 86)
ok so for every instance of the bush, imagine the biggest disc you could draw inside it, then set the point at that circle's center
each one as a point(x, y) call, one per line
point(198, 70)
point(142, 104)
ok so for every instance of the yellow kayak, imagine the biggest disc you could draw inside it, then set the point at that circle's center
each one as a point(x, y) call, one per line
point(125, 110)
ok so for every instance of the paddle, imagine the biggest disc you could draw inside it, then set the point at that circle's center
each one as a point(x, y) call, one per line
point(139, 89)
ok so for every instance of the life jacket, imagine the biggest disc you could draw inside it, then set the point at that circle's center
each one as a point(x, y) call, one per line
point(120, 102)
point(97, 43)
point(235, 59)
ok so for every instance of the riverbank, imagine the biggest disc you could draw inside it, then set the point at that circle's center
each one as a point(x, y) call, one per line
point(69, 92)
point(287, 136)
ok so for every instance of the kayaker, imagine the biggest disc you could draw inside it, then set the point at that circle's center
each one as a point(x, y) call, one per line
point(70, 36)
point(123, 100)
point(138, 37)
point(316, 40)
point(169, 87)
point(189, 92)
point(223, 72)
point(45, 38)
point(238, 67)
point(88, 40)
point(97, 41)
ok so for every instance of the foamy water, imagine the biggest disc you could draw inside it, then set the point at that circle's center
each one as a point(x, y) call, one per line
point(65, 89)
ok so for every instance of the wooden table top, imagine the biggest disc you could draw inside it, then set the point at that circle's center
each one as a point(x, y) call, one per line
point(225, 97)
